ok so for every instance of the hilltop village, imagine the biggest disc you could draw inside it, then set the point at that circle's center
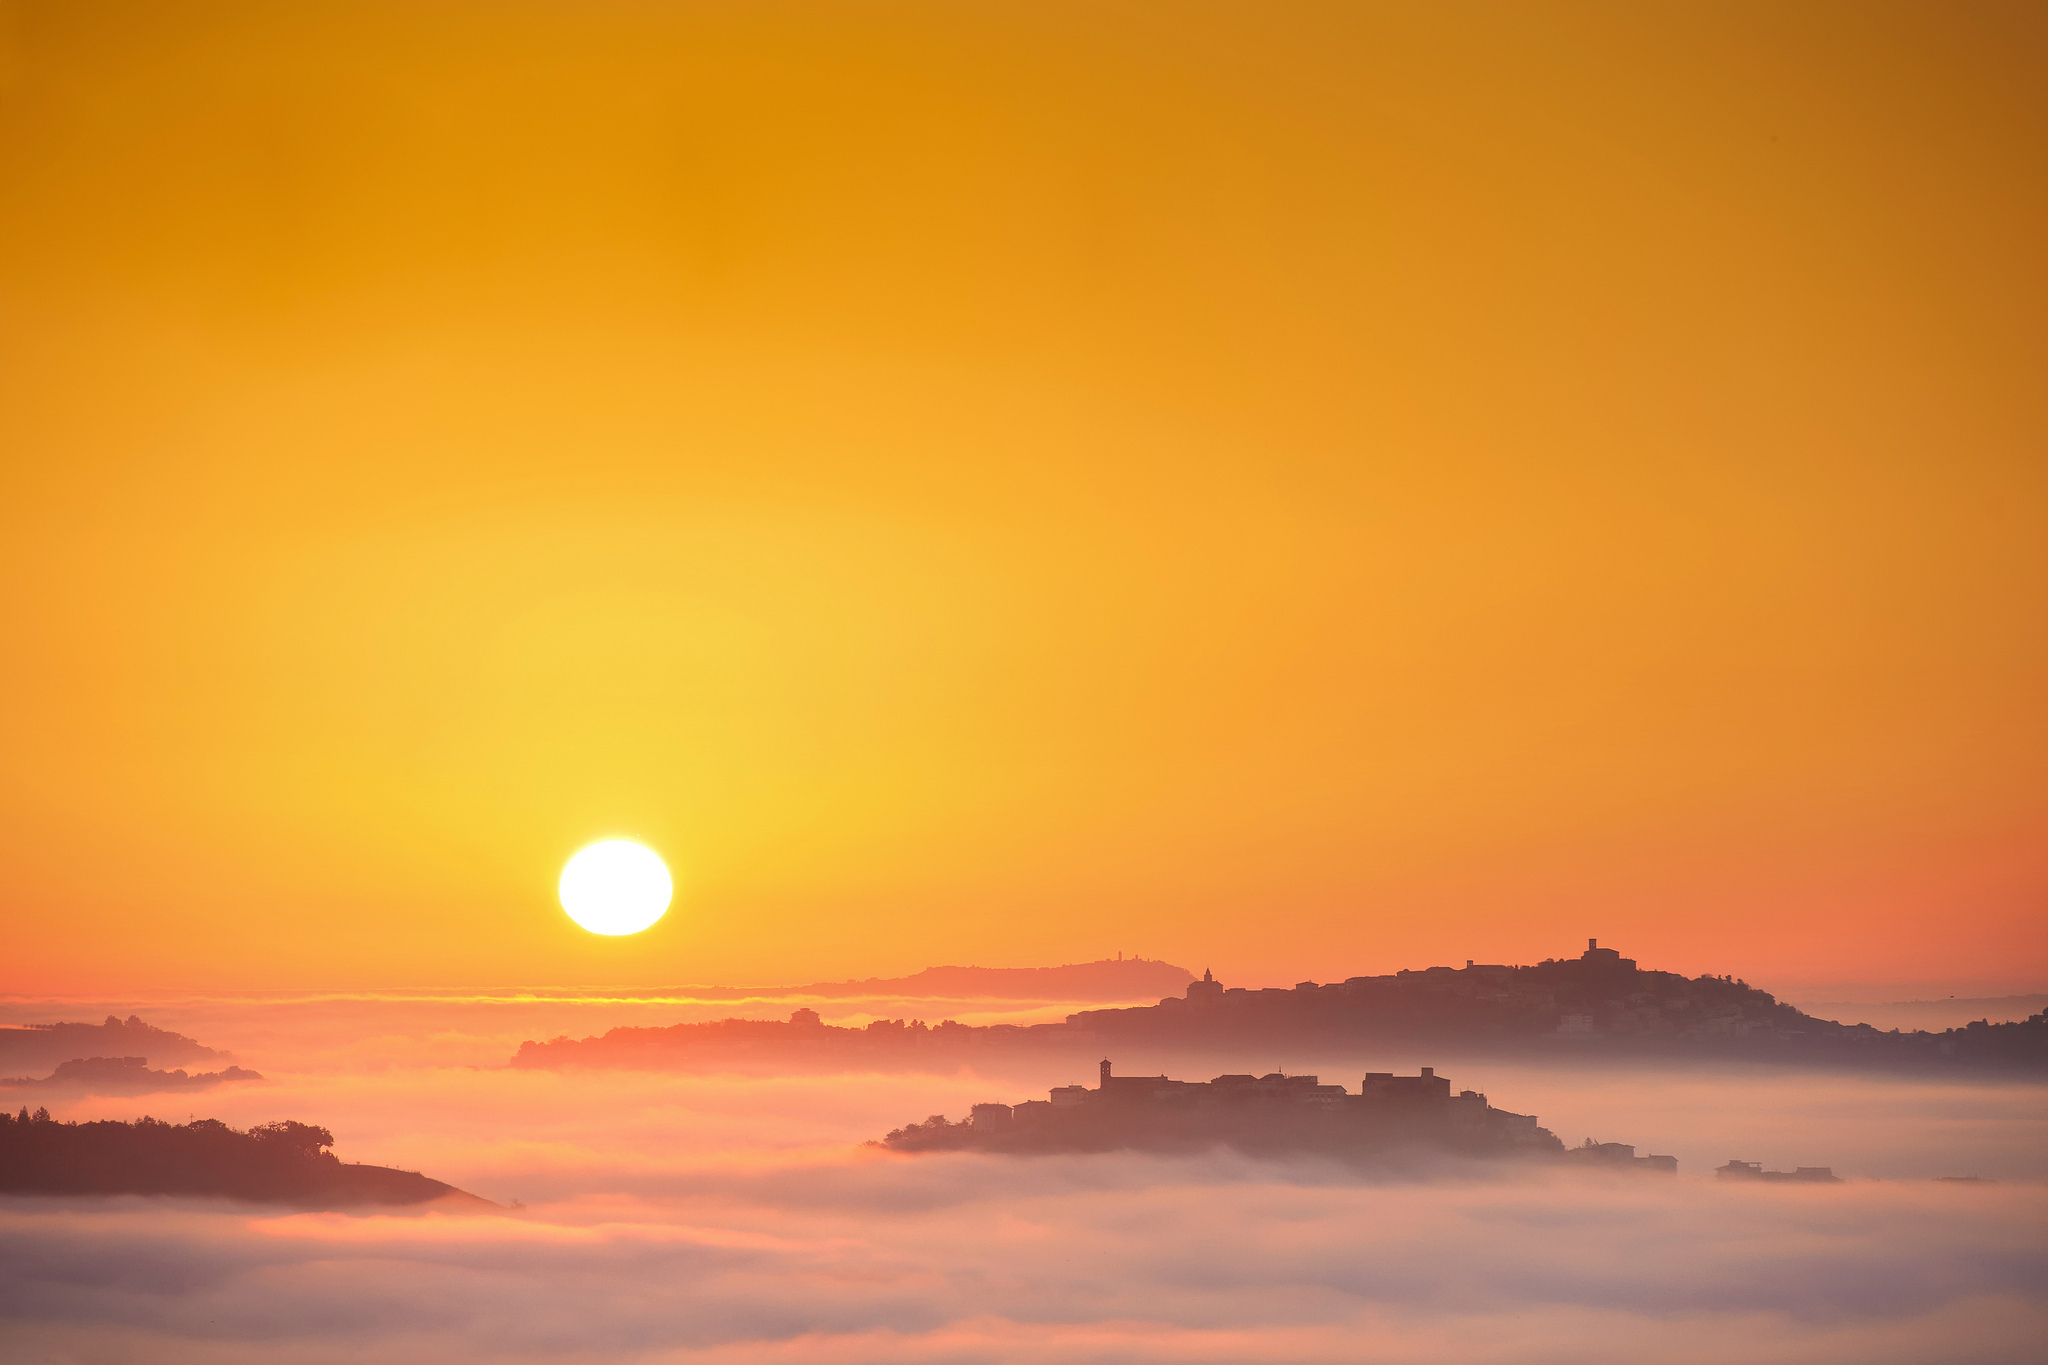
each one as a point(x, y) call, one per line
point(1597, 997)
point(1263, 1115)
point(1596, 1004)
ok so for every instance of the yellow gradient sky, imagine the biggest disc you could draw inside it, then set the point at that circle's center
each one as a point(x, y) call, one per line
point(1302, 489)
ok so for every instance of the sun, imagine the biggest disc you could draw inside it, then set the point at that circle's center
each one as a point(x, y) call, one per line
point(616, 887)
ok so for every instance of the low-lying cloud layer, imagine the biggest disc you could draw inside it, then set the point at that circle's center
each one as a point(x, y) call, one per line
point(737, 1218)
point(1101, 1258)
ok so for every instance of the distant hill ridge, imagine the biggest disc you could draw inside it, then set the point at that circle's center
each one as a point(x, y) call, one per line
point(284, 1162)
point(124, 1076)
point(1927, 1014)
point(38, 1047)
point(1112, 978)
point(1595, 1004)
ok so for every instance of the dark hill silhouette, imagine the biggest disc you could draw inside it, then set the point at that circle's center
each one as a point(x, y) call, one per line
point(1112, 978)
point(29, 1048)
point(1594, 1006)
point(284, 1162)
point(1598, 1004)
point(124, 1076)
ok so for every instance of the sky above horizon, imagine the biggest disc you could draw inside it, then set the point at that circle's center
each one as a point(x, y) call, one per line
point(1304, 491)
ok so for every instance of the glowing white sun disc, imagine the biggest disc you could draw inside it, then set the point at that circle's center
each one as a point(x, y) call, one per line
point(616, 887)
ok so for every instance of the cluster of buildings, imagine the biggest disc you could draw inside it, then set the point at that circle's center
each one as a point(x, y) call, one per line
point(1754, 1170)
point(1272, 1113)
point(1419, 1106)
point(1623, 1155)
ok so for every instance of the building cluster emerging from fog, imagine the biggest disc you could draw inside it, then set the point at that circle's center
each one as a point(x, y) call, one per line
point(1260, 1114)
point(1754, 1170)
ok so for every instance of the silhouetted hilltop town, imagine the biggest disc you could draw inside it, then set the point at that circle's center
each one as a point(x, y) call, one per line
point(38, 1047)
point(1262, 1115)
point(125, 1076)
point(284, 1162)
point(1598, 1004)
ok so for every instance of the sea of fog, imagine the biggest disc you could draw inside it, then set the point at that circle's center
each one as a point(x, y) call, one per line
point(713, 1217)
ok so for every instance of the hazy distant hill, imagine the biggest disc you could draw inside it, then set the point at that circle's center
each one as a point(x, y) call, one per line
point(1129, 978)
point(1927, 1014)
point(38, 1047)
point(283, 1162)
point(124, 1076)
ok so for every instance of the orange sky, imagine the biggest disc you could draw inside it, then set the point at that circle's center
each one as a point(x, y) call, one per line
point(1302, 489)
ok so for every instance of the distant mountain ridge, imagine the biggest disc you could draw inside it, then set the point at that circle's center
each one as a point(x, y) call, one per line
point(1126, 978)
point(1597, 1004)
